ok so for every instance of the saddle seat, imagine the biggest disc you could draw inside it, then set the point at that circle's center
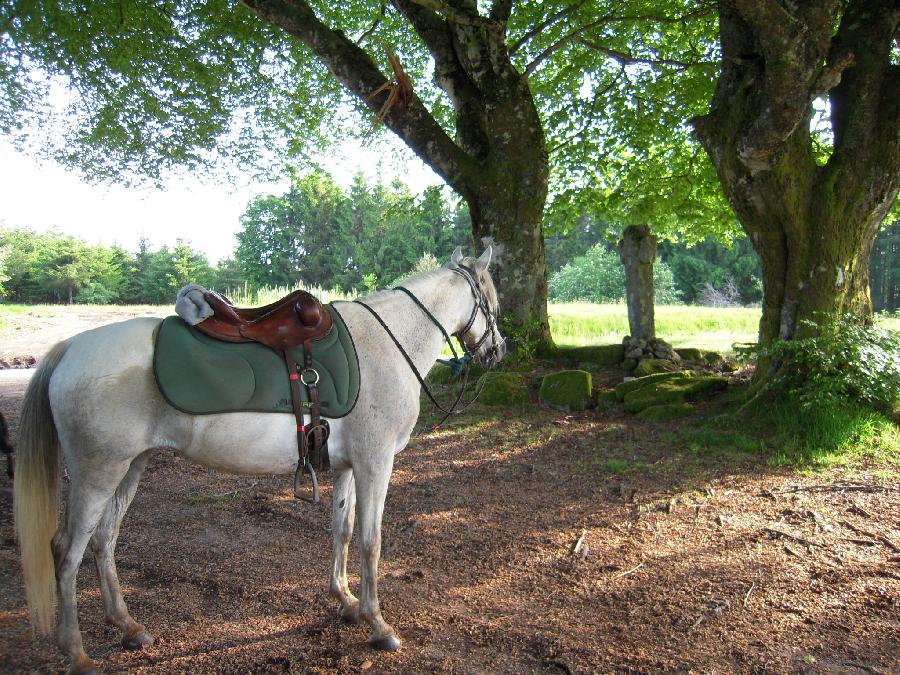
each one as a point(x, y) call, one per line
point(294, 320)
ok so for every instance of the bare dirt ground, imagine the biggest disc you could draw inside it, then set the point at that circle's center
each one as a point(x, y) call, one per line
point(509, 545)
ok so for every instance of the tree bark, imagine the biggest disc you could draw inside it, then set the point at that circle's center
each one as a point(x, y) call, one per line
point(813, 223)
point(497, 160)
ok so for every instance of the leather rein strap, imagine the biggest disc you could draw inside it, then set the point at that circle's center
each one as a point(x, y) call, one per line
point(466, 359)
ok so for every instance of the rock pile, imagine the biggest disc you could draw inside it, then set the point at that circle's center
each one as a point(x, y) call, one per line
point(654, 348)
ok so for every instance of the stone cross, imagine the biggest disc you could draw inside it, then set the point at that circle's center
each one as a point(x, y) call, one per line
point(637, 250)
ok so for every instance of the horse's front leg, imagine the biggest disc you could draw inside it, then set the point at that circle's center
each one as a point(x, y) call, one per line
point(371, 490)
point(342, 516)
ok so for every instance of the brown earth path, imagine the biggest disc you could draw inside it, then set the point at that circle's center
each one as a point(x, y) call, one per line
point(684, 565)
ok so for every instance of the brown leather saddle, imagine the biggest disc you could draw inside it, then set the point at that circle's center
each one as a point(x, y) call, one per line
point(297, 319)
point(294, 320)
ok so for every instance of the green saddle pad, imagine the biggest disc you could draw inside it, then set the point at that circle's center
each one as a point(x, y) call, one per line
point(201, 375)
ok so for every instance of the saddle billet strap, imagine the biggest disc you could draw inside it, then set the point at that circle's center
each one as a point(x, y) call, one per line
point(303, 465)
point(318, 431)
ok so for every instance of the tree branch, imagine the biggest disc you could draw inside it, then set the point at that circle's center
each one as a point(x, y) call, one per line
point(458, 16)
point(544, 25)
point(701, 10)
point(358, 72)
point(625, 58)
point(865, 105)
point(371, 29)
point(449, 74)
point(501, 10)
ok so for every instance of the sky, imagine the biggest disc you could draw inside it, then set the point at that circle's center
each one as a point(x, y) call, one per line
point(43, 195)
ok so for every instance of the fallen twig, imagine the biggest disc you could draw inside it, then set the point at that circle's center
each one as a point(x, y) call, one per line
point(824, 487)
point(856, 508)
point(579, 544)
point(747, 597)
point(626, 573)
point(872, 535)
point(788, 535)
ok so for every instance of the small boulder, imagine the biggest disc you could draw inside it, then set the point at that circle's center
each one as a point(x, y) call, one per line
point(674, 390)
point(633, 385)
point(567, 390)
point(634, 353)
point(653, 366)
point(690, 353)
point(504, 389)
point(666, 412)
point(629, 364)
point(714, 359)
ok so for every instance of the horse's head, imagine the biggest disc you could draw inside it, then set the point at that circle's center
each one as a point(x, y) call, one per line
point(481, 335)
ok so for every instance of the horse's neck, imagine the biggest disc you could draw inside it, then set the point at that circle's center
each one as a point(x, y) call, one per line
point(447, 297)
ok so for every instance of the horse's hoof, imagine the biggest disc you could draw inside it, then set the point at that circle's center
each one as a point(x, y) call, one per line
point(136, 641)
point(389, 643)
point(350, 613)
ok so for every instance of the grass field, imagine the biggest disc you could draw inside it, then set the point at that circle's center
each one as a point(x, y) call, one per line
point(716, 328)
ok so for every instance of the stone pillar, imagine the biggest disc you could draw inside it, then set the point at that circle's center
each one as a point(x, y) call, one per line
point(637, 250)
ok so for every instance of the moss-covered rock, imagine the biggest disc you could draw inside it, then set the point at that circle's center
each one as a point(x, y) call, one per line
point(604, 399)
point(567, 390)
point(629, 364)
point(653, 366)
point(651, 395)
point(601, 355)
point(666, 412)
point(504, 389)
point(635, 384)
point(729, 366)
point(675, 390)
point(714, 359)
point(690, 353)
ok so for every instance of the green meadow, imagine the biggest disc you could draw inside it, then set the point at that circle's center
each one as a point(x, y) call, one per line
point(581, 323)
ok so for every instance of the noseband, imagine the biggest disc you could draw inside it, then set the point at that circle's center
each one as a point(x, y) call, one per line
point(458, 364)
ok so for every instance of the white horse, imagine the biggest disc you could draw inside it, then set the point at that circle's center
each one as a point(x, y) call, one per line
point(94, 400)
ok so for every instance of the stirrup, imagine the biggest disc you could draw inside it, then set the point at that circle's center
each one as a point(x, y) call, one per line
point(303, 466)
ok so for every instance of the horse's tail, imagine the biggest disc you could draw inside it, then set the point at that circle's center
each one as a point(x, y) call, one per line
point(36, 492)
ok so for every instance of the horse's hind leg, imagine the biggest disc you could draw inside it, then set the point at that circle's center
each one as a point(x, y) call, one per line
point(343, 512)
point(89, 491)
point(103, 544)
point(371, 489)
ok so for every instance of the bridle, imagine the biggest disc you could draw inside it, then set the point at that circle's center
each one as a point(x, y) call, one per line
point(458, 364)
point(490, 317)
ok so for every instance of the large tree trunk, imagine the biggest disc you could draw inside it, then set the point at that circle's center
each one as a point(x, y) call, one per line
point(812, 223)
point(497, 160)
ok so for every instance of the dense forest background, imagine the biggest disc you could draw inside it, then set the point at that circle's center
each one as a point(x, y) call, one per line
point(319, 234)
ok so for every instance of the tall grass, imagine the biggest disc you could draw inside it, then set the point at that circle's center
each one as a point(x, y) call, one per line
point(247, 296)
point(581, 323)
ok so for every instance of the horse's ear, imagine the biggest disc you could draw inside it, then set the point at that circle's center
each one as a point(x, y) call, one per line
point(457, 257)
point(485, 259)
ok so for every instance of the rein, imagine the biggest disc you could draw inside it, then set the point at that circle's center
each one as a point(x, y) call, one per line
point(458, 364)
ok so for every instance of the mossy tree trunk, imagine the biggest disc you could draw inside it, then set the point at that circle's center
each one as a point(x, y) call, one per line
point(812, 220)
point(496, 159)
